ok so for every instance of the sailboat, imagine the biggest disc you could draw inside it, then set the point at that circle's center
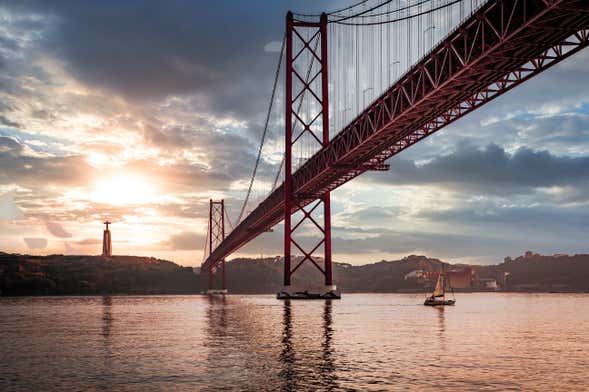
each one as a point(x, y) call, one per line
point(438, 297)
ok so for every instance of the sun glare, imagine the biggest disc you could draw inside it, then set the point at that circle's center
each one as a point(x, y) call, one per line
point(124, 189)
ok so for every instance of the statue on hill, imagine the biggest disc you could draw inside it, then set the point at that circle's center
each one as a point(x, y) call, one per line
point(106, 241)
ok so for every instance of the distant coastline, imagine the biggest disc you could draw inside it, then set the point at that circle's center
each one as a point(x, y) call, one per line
point(131, 275)
point(93, 275)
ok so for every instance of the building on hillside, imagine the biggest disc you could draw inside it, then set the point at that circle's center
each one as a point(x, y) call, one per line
point(418, 275)
point(488, 284)
point(460, 278)
point(529, 254)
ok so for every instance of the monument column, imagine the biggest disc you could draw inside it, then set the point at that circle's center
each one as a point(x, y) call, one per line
point(106, 241)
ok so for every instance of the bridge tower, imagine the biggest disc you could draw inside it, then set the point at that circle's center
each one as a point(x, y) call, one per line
point(216, 235)
point(306, 78)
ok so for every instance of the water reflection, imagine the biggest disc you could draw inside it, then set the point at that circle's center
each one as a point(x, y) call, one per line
point(287, 355)
point(299, 339)
point(107, 318)
point(328, 374)
point(303, 366)
point(220, 345)
point(441, 321)
point(107, 368)
point(217, 316)
point(441, 310)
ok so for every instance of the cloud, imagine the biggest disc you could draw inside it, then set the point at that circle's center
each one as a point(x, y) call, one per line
point(89, 241)
point(20, 166)
point(8, 208)
point(156, 50)
point(185, 241)
point(491, 170)
point(8, 123)
point(35, 243)
point(57, 229)
point(273, 46)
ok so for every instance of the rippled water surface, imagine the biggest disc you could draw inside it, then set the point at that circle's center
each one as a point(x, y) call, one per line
point(364, 342)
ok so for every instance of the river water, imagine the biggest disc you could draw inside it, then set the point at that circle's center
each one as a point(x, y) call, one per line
point(365, 342)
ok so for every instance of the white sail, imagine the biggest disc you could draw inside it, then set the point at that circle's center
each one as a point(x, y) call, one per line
point(439, 290)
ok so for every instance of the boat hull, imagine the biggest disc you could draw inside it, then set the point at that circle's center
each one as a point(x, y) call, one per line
point(439, 302)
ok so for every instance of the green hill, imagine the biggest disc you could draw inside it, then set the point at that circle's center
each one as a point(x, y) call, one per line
point(89, 275)
point(96, 275)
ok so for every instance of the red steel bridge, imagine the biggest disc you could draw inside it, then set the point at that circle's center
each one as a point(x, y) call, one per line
point(423, 64)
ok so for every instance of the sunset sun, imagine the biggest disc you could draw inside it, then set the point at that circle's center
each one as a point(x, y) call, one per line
point(124, 189)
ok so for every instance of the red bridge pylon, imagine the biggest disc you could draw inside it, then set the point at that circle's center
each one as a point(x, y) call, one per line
point(306, 79)
point(216, 235)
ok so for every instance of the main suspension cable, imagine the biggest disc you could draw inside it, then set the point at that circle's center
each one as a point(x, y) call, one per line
point(395, 20)
point(228, 219)
point(249, 190)
point(333, 12)
point(363, 12)
point(387, 12)
point(204, 252)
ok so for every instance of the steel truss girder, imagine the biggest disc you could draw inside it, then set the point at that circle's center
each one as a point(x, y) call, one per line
point(501, 46)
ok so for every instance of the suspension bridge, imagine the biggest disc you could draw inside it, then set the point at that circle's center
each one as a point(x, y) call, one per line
point(363, 83)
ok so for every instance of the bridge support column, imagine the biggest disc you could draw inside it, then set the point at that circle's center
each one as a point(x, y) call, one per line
point(306, 124)
point(216, 235)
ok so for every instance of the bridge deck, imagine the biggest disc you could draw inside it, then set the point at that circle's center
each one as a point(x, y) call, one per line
point(502, 45)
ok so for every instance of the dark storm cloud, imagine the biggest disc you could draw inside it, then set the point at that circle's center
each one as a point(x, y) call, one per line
point(491, 169)
point(8, 123)
point(564, 133)
point(175, 137)
point(570, 221)
point(485, 247)
point(8, 44)
point(18, 167)
point(152, 49)
point(440, 244)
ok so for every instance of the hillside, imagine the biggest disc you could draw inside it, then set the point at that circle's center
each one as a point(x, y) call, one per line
point(536, 272)
point(88, 275)
point(95, 275)
point(531, 272)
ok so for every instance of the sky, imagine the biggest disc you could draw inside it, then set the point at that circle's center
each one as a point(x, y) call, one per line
point(141, 111)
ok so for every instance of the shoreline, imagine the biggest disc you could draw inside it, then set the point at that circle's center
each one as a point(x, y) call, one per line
point(247, 294)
